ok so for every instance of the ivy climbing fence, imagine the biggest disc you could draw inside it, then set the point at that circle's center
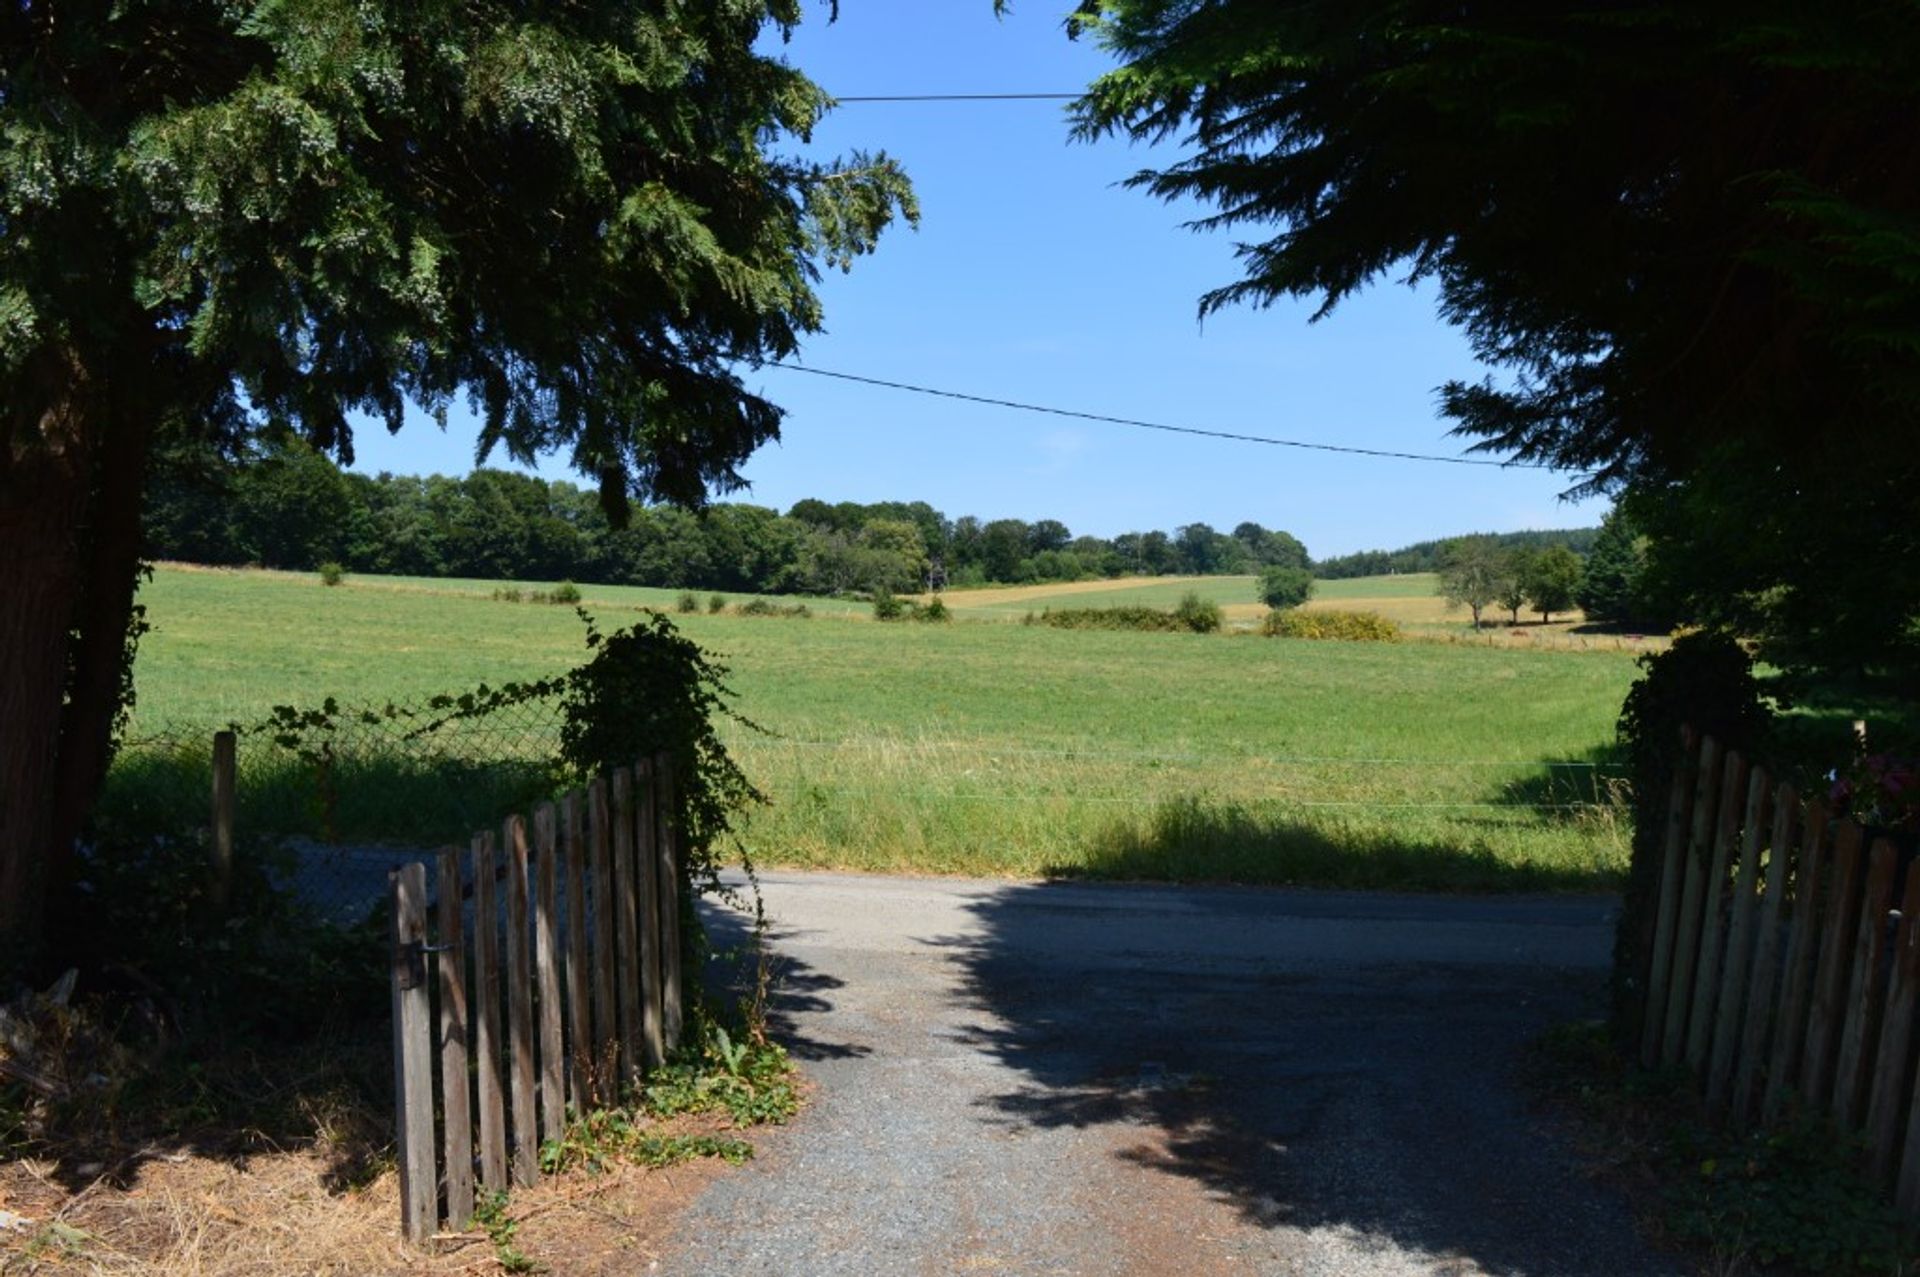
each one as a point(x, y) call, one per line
point(1785, 969)
point(536, 973)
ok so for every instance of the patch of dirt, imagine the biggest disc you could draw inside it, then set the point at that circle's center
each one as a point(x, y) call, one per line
point(279, 1214)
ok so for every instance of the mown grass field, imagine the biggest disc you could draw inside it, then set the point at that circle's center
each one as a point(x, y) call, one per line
point(1004, 749)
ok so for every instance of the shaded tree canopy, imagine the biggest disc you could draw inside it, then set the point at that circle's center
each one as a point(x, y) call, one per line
point(219, 218)
point(1687, 234)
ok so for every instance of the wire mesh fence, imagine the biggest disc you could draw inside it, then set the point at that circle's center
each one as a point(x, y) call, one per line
point(327, 801)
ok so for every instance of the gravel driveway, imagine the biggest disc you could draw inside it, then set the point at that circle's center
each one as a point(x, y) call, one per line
point(1078, 1079)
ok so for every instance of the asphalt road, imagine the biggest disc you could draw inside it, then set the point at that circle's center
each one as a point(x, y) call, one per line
point(1079, 1079)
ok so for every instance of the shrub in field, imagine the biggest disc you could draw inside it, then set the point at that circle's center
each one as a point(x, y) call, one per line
point(332, 574)
point(936, 611)
point(1202, 616)
point(767, 607)
point(888, 607)
point(1706, 680)
point(716, 604)
point(1358, 627)
point(565, 592)
point(509, 594)
point(1107, 618)
point(687, 602)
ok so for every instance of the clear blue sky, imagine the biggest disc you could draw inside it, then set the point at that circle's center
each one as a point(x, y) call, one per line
point(1034, 276)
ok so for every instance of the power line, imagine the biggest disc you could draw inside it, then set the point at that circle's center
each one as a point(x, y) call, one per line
point(1160, 425)
point(960, 97)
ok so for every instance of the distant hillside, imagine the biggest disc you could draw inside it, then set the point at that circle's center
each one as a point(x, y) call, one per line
point(1424, 556)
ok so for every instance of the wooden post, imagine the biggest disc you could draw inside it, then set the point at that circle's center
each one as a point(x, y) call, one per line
point(626, 922)
point(579, 1008)
point(523, 1143)
point(646, 831)
point(413, 1050)
point(546, 961)
point(487, 1039)
point(1706, 980)
point(220, 852)
point(1839, 924)
point(606, 1017)
point(1738, 966)
point(1673, 861)
point(1866, 988)
point(1766, 946)
point(1686, 940)
point(456, 1090)
point(667, 804)
point(1892, 1071)
point(1790, 1024)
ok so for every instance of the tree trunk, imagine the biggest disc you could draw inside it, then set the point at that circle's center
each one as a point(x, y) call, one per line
point(45, 487)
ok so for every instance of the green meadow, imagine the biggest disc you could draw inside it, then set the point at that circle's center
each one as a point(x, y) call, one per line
point(1000, 749)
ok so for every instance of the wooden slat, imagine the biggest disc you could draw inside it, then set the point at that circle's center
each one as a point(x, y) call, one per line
point(606, 1017)
point(1706, 977)
point(413, 1050)
point(1686, 936)
point(626, 887)
point(1866, 987)
point(1673, 861)
point(573, 824)
point(1766, 956)
point(546, 967)
point(523, 1142)
point(647, 852)
point(488, 1042)
point(1731, 1002)
point(1811, 870)
point(667, 807)
point(1893, 1065)
point(1840, 919)
point(456, 1087)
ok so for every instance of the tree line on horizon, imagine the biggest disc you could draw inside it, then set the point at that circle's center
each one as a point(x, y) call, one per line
point(286, 505)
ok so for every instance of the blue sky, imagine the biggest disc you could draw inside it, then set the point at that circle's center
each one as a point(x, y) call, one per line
point(1034, 276)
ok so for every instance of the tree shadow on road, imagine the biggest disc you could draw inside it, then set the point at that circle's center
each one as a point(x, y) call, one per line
point(793, 990)
point(1373, 1099)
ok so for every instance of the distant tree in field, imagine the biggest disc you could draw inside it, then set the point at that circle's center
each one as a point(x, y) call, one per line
point(1611, 588)
point(1283, 586)
point(1270, 547)
point(1003, 548)
point(1048, 534)
point(1472, 571)
point(1513, 582)
point(1552, 580)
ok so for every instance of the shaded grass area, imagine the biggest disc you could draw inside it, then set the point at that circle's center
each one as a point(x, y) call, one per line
point(984, 749)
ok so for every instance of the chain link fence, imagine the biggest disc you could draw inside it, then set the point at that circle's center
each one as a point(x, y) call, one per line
point(328, 800)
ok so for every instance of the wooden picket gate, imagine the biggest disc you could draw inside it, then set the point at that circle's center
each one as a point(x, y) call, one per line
point(587, 907)
point(1786, 962)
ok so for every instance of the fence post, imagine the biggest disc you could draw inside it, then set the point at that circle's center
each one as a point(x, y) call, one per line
point(221, 852)
point(412, 1050)
point(1667, 908)
point(646, 831)
point(456, 1089)
point(546, 965)
point(667, 806)
point(523, 1142)
point(626, 924)
point(1686, 942)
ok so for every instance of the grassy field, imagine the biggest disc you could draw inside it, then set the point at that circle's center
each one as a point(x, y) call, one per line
point(1004, 749)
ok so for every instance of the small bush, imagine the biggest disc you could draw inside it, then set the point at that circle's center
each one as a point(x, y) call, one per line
point(566, 592)
point(886, 607)
point(1354, 627)
point(716, 604)
point(1284, 587)
point(1202, 616)
point(1107, 618)
point(767, 607)
point(509, 594)
point(936, 611)
point(332, 574)
point(687, 602)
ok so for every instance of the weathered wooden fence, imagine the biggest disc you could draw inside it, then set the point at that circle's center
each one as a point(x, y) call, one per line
point(583, 905)
point(1785, 969)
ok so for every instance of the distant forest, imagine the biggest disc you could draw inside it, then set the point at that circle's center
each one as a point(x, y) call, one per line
point(287, 506)
point(1424, 556)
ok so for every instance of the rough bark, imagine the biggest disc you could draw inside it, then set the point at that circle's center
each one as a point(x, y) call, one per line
point(45, 489)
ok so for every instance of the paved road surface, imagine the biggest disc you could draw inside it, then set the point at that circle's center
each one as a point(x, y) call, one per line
point(1078, 1079)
